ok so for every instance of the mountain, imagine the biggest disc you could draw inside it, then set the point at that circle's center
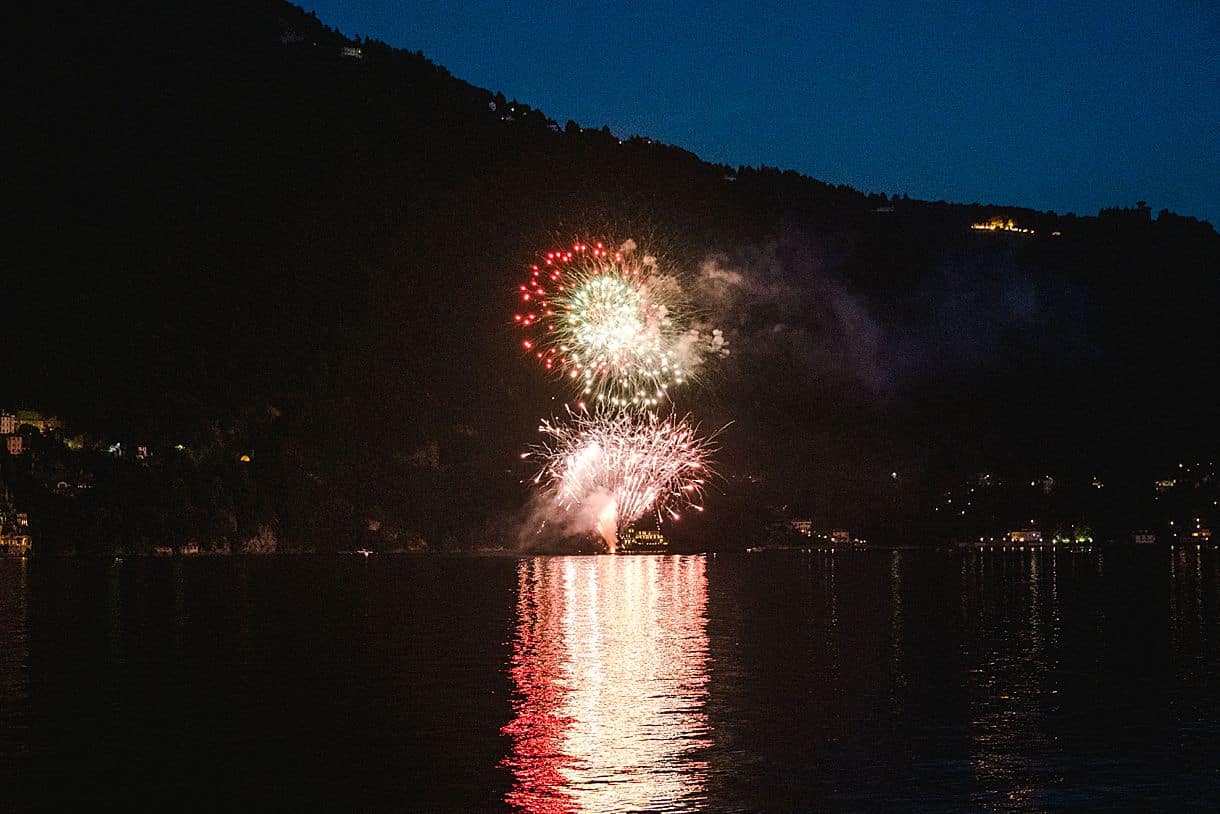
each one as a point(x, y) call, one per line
point(238, 229)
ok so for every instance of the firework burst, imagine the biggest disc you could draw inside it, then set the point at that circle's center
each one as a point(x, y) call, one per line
point(615, 467)
point(613, 323)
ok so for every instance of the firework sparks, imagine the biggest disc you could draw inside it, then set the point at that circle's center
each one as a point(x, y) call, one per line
point(613, 323)
point(616, 467)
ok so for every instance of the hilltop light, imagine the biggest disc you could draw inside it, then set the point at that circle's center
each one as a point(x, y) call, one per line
point(1000, 225)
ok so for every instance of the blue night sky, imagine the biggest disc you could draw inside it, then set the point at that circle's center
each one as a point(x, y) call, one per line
point(1060, 106)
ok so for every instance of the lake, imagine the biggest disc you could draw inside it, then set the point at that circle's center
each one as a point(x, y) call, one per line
point(777, 681)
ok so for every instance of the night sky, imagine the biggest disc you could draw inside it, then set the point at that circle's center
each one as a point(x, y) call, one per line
point(1032, 104)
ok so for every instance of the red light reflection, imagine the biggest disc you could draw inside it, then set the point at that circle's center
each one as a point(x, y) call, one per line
point(609, 669)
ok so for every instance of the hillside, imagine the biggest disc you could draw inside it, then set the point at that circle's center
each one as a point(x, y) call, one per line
point(236, 237)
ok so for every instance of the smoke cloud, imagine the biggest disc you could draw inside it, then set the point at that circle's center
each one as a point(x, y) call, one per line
point(546, 524)
point(772, 309)
point(783, 311)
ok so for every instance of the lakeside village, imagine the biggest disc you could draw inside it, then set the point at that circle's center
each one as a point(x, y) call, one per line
point(49, 477)
point(59, 473)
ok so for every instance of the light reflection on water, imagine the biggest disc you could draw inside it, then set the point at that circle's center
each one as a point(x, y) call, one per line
point(915, 681)
point(14, 657)
point(1012, 667)
point(609, 671)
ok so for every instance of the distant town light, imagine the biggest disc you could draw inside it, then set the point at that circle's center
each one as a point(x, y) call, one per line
point(1000, 225)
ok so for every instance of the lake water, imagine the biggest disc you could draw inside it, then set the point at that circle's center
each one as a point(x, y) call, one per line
point(902, 681)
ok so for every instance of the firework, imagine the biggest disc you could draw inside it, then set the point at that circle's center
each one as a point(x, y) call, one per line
point(615, 467)
point(613, 323)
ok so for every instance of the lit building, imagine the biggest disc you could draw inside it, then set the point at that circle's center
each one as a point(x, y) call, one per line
point(1000, 225)
point(840, 537)
point(8, 423)
point(15, 444)
point(15, 540)
point(43, 423)
point(1166, 484)
point(802, 527)
point(1143, 538)
point(1025, 536)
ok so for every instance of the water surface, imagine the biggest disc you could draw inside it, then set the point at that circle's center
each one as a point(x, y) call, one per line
point(915, 681)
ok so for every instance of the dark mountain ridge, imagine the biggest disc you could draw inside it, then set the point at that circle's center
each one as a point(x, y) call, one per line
point(240, 230)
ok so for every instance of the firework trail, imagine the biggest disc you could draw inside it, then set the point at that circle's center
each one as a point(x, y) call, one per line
point(613, 323)
point(615, 467)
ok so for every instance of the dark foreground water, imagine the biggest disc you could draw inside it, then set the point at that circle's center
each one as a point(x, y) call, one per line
point(902, 681)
